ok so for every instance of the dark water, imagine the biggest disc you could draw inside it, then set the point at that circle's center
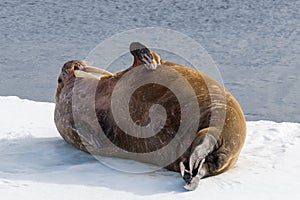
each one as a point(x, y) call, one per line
point(255, 44)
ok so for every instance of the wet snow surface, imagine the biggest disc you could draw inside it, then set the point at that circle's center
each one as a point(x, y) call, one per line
point(36, 163)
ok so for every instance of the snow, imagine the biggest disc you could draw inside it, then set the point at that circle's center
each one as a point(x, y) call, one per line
point(36, 163)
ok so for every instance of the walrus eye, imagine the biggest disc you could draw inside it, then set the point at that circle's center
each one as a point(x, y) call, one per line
point(76, 68)
point(59, 80)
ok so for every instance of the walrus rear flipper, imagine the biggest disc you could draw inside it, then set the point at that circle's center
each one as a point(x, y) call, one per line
point(193, 168)
point(142, 55)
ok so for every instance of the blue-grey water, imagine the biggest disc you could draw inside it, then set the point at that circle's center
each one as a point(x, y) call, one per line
point(255, 44)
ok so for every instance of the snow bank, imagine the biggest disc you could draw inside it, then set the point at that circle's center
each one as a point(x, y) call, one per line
point(35, 163)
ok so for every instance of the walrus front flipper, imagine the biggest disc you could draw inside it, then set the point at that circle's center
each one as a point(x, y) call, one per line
point(142, 55)
point(193, 181)
point(193, 168)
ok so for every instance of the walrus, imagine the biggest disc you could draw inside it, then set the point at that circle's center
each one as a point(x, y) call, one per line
point(213, 145)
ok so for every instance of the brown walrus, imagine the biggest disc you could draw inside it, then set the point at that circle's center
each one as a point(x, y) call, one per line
point(209, 144)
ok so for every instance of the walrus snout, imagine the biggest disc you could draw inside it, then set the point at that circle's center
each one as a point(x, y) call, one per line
point(72, 65)
point(82, 70)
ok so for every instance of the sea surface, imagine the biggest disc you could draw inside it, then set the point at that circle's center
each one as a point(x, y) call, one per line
point(255, 44)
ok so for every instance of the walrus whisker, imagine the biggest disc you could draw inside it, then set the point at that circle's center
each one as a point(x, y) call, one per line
point(92, 69)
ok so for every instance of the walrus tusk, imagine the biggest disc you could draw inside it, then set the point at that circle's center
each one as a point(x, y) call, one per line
point(82, 74)
point(92, 69)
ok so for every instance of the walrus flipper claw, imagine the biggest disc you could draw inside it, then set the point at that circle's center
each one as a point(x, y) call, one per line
point(194, 169)
point(194, 181)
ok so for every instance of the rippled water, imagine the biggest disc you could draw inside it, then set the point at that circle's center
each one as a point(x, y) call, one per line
point(255, 44)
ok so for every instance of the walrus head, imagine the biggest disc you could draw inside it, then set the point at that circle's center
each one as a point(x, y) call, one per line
point(143, 55)
point(77, 69)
